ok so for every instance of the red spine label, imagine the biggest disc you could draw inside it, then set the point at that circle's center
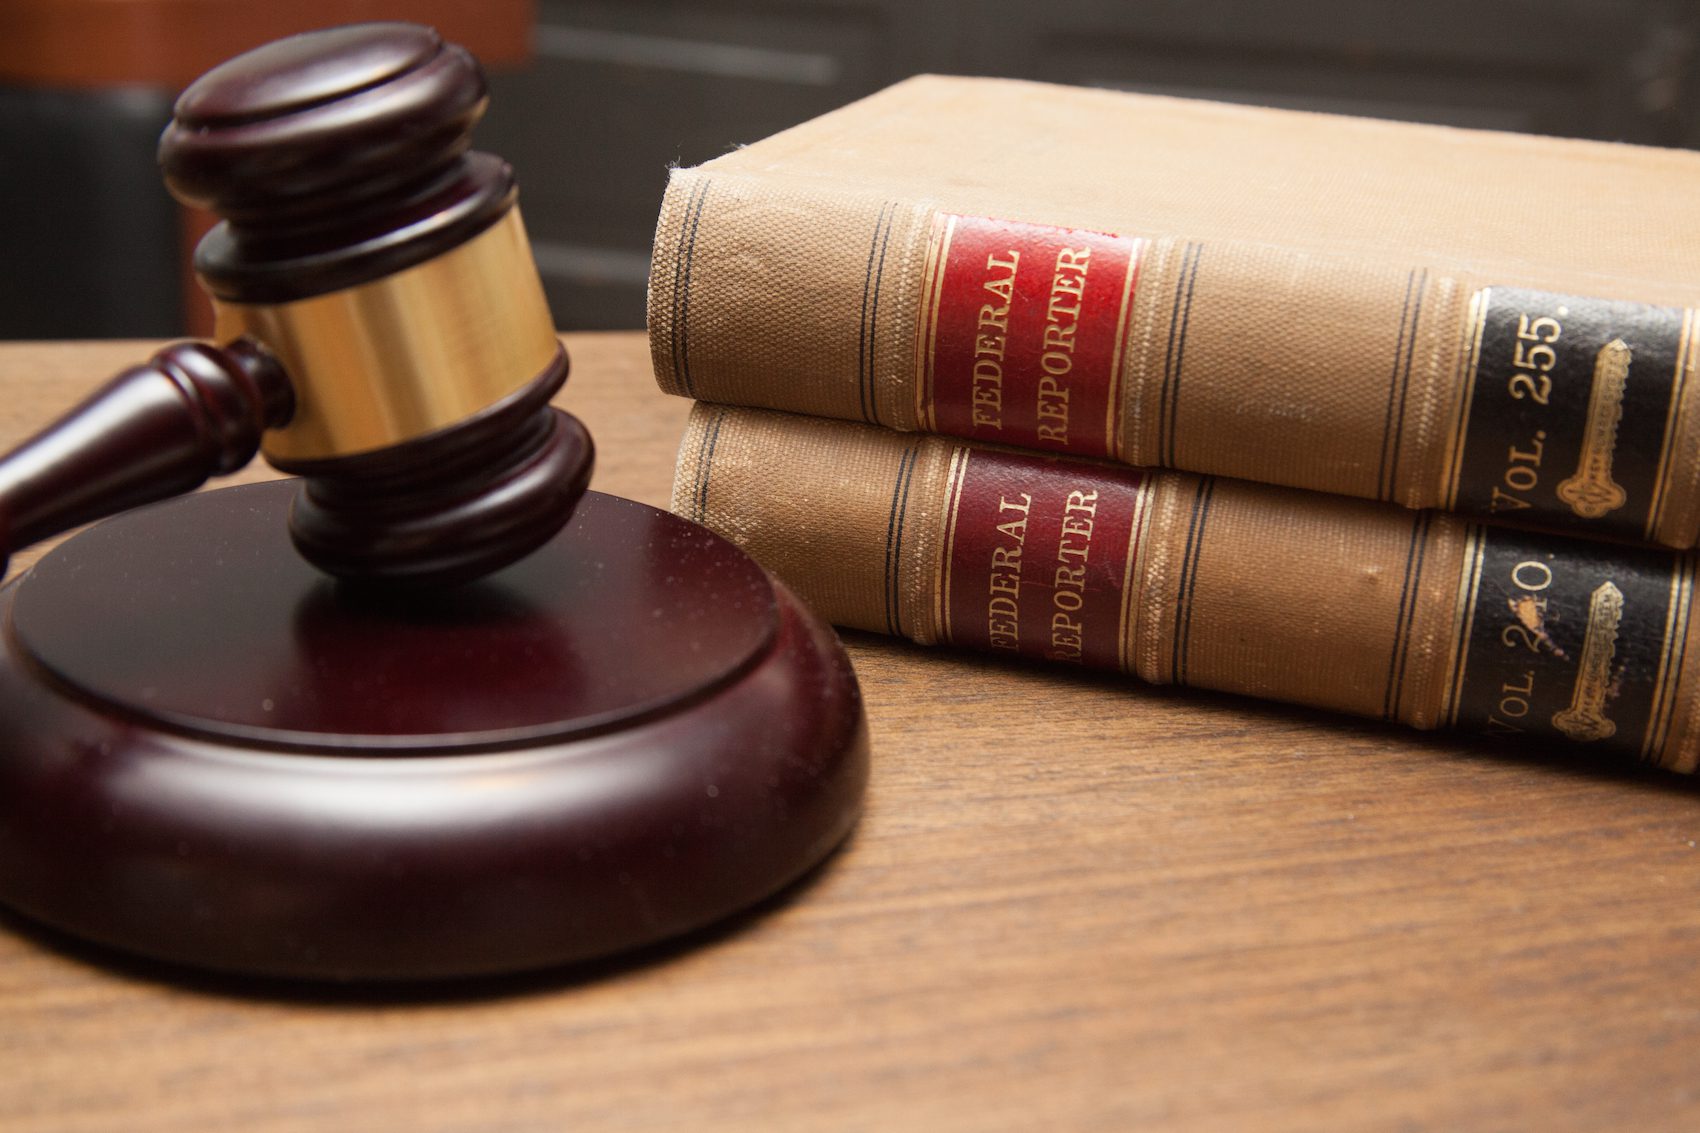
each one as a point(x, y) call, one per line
point(1021, 333)
point(1039, 557)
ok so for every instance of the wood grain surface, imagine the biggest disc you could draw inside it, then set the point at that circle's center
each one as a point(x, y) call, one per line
point(1071, 905)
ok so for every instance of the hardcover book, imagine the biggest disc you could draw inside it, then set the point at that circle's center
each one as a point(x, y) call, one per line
point(1474, 321)
point(1421, 617)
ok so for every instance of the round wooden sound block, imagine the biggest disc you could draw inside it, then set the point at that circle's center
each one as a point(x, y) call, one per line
point(212, 754)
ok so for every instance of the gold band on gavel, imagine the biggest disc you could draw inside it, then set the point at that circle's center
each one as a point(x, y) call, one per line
point(408, 354)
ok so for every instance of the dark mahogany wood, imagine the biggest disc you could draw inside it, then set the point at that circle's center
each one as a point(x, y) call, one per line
point(156, 430)
point(337, 158)
point(211, 754)
point(612, 728)
point(451, 506)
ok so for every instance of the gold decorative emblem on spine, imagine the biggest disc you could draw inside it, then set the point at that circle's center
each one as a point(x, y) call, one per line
point(1585, 720)
point(1591, 492)
point(408, 354)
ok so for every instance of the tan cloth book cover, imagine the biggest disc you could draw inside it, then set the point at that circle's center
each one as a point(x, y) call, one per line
point(1416, 616)
point(1485, 322)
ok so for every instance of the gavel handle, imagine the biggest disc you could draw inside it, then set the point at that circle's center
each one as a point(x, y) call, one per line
point(156, 430)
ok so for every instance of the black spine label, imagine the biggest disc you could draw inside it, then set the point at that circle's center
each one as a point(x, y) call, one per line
point(1569, 640)
point(1570, 410)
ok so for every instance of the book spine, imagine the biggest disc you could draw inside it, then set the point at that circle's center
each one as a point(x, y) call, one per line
point(1416, 616)
point(1418, 384)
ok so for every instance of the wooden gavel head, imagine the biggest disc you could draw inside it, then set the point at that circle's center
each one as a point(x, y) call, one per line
point(385, 267)
point(208, 755)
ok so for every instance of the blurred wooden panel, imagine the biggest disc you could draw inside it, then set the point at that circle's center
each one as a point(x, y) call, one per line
point(1583, 68)
point(619, 91)
point(98, 43)
point(85, 88)
point(89, 232)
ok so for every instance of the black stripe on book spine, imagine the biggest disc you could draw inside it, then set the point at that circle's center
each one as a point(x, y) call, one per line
point(1405, 384)
point(682, 285)
point(705, 462)
point(871, 281)
point(1407, 615)
point(1169, 398)
point(1400, 377)
point(894, 540)
point(1189, 577)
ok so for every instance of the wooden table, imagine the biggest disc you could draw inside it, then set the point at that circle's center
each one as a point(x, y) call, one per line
point(1071, 905)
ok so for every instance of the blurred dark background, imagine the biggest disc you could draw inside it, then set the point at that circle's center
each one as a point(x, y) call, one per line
point(592, 100)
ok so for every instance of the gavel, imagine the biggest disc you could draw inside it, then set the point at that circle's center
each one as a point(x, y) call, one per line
point(386, 334)
point(212, 755)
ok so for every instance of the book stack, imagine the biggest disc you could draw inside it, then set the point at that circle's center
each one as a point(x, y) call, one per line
point(1390, 419)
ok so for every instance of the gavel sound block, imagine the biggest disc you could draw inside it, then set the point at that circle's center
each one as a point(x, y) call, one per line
point(475, 719)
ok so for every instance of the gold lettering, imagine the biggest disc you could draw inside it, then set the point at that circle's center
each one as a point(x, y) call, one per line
point(988, 393)
point(1068, 577)
point(1003, 609)
point(1066, 287)
point(1053, 410)
point(1059, 337)
point(1067, 636)
point(1016, 528)
point(1503, 501)
point(990, 339)
point(1053, 398)
point(1074, 258)
point(1056, 358)
point(1076, 539)
point(1002, 285)
point(1003, 631)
